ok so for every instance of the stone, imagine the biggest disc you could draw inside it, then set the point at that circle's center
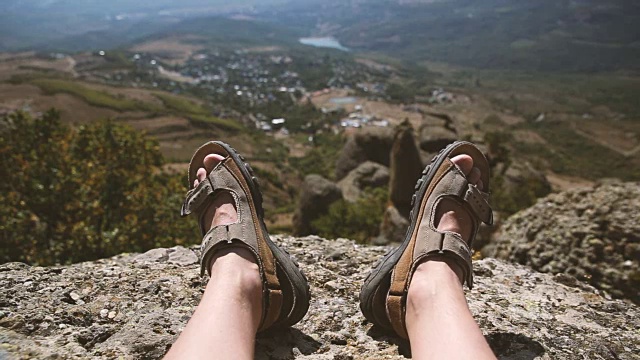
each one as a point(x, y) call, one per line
point(365, 144)
point(316, 195)
point(406, 168)
point(523, 314)
point(181, 256)
point(587, 233)
point(435, 138)
point(366, 175)
point(393, 228)
point(153, 255)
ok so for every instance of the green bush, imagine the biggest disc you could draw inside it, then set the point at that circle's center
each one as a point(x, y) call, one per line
point(359, 221)
point(71, 195)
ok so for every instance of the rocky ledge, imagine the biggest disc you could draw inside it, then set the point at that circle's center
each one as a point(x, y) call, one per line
point(134, 306)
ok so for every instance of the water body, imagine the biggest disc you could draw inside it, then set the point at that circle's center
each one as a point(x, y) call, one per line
point(326, 42)
point(343, 100)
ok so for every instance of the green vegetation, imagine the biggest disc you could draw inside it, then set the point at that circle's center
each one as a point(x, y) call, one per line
point(321, 158)
point(359, 221)
point(180, 104)
point(575, 155)
point(89, 95)
point(71, 195)
point(505, 197)
point(197, 114)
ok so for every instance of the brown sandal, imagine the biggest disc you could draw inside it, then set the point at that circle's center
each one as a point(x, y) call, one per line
point(384, 293)
point(285, 288)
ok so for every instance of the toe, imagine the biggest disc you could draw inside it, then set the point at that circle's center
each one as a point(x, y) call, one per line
point(480, 185)
point(463, 162)
point(211, 160)
point(201, 174)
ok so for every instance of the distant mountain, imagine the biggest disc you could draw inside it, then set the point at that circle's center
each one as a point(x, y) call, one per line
point(559, 35)
point(547, 35)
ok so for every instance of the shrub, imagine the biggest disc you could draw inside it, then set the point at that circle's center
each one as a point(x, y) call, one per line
point(359, 221)
point(71, 195)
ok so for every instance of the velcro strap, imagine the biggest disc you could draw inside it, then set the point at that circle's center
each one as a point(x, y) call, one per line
point(217, 235)
point(196, 197)
point(477, 201)
point(450, 244)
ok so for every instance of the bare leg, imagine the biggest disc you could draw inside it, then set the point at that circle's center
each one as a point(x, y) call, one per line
point(438, 320)
point(225, 322)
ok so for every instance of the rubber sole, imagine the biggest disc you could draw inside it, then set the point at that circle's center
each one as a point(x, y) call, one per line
point(381, 272)
point(296, 277)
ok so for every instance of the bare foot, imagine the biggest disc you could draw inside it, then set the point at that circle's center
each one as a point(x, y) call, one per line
point(452, 217)
point(222, 211)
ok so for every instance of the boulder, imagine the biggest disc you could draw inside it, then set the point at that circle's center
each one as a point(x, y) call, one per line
point(126, 307)
point(589, 233)
point(316, 194)
point(368, 143)
point(366, 175)
point(393, 228)
point(435, 138)
point(406, 168)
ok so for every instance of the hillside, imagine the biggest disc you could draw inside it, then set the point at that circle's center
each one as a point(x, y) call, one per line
point(547, 35)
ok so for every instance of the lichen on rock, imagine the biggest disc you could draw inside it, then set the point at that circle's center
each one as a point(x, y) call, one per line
point(592, 234)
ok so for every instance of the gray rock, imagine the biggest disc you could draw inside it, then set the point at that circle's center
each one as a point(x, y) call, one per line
point(435, 138)
point(181, 256)
point(393, 228)
point(588, 233)
point(316, 195)
point(523, 314)
point(366, 175)
point(369, 143)
point(153, 255)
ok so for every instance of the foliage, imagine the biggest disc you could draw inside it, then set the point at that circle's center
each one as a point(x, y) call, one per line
point(359, 221)
point(71, 195)
point(89, 95)
point(504, 198)
point(321, 158)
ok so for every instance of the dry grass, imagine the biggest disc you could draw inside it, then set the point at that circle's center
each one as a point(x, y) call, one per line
point(172, 50)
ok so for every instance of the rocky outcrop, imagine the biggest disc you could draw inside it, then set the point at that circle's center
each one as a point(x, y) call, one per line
point(366, 175)
point(369, 143)
point(135, 306)
point(590, 233)
point(406, 168)
point(393, 227)
point(436, 132)
point(316, 195)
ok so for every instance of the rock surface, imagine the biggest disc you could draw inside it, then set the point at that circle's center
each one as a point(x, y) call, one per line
point(134, 307)
point(316, 195)
point(590, 233)
point(366, 175)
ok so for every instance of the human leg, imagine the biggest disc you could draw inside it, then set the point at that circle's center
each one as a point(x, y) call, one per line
point(415, 290)
point(439, 323)
point(254, 284)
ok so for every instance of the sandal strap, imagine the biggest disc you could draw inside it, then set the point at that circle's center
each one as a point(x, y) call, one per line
point(245, 232)
point(449, 183)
